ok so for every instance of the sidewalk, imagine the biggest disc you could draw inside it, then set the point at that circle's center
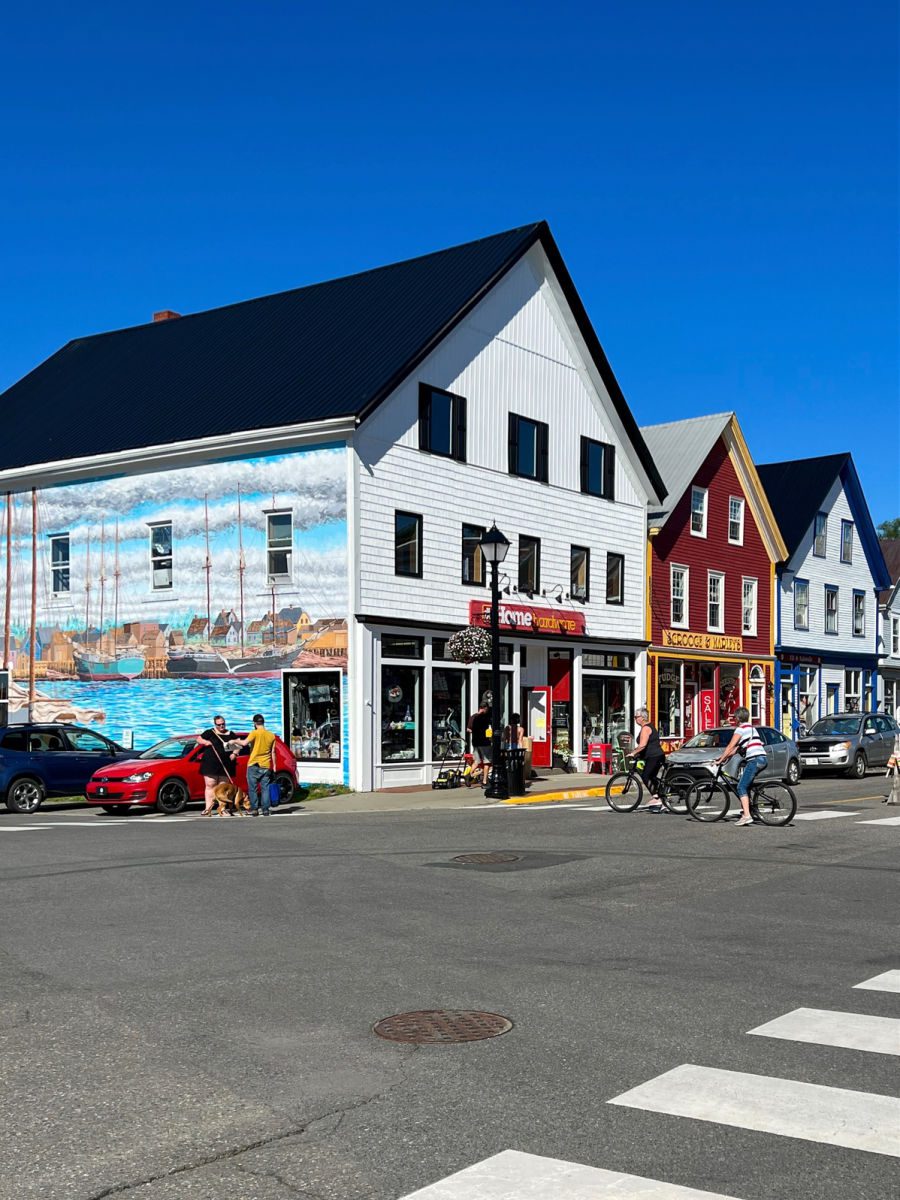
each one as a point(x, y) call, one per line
point(543, 790)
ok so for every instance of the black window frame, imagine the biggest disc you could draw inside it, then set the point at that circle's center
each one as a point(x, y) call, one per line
point(61, 568)
point(607, 469)
point(458, 421)
point(417, 517)
point(586, 551)
point(158, 558)
point(536, 546)
point(541, 448)
point(613, 556)
point(478, 556)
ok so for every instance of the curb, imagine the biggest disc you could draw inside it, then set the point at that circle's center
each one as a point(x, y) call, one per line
point(553, 797)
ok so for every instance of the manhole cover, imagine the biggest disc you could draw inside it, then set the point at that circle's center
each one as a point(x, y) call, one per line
point(442, 1025)
point(486, 858)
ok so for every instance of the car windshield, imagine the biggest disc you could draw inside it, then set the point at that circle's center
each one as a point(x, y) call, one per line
point(710, 739)
point(835, 727)
point(170, 748)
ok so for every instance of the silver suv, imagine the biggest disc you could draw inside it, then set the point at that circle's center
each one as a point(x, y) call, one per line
point(849, 742)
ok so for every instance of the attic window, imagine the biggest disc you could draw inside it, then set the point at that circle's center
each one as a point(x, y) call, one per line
point(442, 423)
point(279, 545)
point(161, 556)
point(598, 469)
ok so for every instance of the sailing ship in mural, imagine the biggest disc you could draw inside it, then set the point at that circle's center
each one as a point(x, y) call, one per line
point(103, 664)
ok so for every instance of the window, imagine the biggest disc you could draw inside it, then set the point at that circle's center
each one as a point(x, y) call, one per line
point(736, 520)
point(757, 700)
point(401, 714)
point(580, 570)
point(748, 607)
point(852, 690)
point(529, 564)
point(87, 740)
point(615, 579)
point(669, 694)
point(831, 609)
point(449, 712)
point(408, 544)
point(679, 579)
point(59, 562)
point(820, 535)
point(715, 605)
point(895, 637)
point(598, 469)
point(4, 698)
point(698, 511)
point(312, 714)
point(801, 604)
point(847, 541)
point(401, 646)
point(528, 448)
point(807, 694)
point(161, 556)
point(473, 571)
point(279, 545)
point(442, 423)
point(859, 614)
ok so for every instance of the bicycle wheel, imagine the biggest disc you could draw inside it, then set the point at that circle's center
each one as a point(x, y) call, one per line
point(773, 803)
point(708, 801)
point(624, 792)
point(675, 791)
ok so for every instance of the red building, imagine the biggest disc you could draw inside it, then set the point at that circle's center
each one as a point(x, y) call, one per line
point(711, 580)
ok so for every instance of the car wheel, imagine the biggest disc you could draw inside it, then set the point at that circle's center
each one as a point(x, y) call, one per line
point(286, 787)
point(858, 770)
point(116, 808)
point(793, 772)
point(25, 796)
point(172, 797)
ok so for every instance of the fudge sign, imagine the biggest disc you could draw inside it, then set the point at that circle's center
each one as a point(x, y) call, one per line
point(523, 618)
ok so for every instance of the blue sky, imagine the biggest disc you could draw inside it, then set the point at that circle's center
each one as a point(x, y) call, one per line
point(721, 179)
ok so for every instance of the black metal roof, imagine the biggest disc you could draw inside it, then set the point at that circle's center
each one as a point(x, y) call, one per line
point(797, 490)
point(329, 350)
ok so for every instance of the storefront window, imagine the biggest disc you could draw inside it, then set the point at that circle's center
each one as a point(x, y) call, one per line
point(449, 712)
point(439, 651)
point(401, 714)
point(401, 647)
point(853, 690)
point(613, 662)
point(606, 709)
point(313, 714)
point(807, 695)
point(729, 693)
point(669, 700)
point(485, 694)
point(757, 695)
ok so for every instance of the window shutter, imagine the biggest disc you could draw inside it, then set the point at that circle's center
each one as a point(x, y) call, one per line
point(424, 417)
point(513, 444)
point(459, 449)
point(609, 472)
point(584, 464)
point(543, 439)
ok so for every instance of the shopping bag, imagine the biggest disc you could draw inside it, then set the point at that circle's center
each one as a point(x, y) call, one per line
point(274, 795)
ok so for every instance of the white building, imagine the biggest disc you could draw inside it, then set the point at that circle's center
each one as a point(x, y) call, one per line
point(342, 448)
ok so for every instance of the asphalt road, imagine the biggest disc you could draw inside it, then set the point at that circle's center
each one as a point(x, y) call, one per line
point(187, 1005)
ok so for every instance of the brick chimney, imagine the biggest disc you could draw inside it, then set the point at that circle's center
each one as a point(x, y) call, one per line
point(165, 314)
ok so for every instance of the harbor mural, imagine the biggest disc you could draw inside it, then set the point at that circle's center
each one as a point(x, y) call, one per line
point(158, 594)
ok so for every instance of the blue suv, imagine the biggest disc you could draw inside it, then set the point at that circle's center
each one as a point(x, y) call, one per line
point(37, 761)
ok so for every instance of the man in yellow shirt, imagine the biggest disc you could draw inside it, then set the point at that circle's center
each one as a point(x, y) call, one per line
point(260, 768)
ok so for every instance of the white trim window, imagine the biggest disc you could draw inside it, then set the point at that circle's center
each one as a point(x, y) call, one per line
point(859, 614)
point(831, 609)
point(59, 563)
point(680, 591)
point(698, 511)
point(736, 520)
point(801, 604)
point(279, 545)
point(748, 607)
point(161, 556)
point(715, 602)
point(895, 637)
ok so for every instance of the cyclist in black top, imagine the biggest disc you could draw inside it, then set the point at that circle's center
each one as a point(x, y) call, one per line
point(649, 752)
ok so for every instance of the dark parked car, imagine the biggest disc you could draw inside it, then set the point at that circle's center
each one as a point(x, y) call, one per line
point(697, 756)
point(37, 761)
point(849, 742)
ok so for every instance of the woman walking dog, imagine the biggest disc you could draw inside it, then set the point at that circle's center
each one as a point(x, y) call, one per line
point(217, 761)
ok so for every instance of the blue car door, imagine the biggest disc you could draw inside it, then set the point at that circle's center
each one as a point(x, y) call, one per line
point(49, 759)
point(88, 752)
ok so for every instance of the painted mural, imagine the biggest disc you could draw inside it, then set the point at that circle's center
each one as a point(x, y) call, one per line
point(159, 594)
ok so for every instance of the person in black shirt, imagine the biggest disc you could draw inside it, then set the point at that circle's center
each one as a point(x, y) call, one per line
point(648, 751)
point(479, 724)
point(217, 761)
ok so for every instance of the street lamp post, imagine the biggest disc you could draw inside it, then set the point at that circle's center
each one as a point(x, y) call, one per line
point(494, 547)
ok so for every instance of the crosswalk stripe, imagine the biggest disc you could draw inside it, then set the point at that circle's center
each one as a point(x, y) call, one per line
point(822, 1027)
point(513, 1175)
point(823, 815)
point(881, 821)
point(810, 1111)
point(22, 828)
point(888, 981)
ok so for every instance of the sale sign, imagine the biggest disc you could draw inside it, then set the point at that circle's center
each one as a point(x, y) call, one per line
point(708, 714)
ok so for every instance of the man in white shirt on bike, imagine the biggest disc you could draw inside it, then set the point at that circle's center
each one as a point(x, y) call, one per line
point(748, 744)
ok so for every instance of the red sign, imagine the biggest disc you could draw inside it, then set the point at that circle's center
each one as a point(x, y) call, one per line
point(523, 618)
point(708, 713)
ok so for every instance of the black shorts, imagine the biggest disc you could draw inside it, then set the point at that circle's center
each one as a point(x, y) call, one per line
point(651, 768)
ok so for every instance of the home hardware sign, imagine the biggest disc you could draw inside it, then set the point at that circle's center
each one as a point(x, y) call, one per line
point(684, 639)
point(525, 619)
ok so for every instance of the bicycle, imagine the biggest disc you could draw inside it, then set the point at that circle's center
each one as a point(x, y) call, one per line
point(771, 801)
point(625, 789)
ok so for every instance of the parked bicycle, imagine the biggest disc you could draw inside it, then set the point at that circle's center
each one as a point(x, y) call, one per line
point(625, 789)
point(771, 801)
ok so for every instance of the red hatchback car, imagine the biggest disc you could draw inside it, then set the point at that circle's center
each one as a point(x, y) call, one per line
point(168, 776)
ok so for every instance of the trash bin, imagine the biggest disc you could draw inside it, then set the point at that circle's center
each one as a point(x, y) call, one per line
point(513, 762)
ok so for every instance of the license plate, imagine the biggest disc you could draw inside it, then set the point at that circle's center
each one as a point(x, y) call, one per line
point(101, 791)
point(810, 762)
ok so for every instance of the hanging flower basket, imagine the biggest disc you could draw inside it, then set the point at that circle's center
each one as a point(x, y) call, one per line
point(470, 645)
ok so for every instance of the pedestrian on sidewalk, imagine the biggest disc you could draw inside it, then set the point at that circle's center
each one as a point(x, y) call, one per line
point(479, 730)
point(650, 756)
point(748, 744)
point(260, 766)
point(217, 760)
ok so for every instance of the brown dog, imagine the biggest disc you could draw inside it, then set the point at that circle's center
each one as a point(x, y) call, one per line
point(230, 799)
